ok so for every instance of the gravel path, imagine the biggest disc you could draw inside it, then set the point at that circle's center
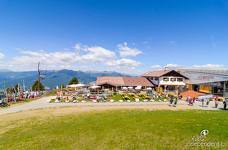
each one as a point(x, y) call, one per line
point(44, 103)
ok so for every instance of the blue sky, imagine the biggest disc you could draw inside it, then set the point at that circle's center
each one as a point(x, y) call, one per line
point(120, 35)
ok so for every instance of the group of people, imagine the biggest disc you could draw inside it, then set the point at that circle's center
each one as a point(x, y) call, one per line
point(6, 98)
point(190, 100)
point(207, 101)
point(14, 97)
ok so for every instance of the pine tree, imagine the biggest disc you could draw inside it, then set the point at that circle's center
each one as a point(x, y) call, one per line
point(36, 85)
point(74, 80)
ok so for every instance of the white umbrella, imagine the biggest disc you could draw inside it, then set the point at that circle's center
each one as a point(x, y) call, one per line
point(94, 87)
point(138, 88)
point(149, 88)
point(72, 86)
point(80, 85)
point(76, 85)
point(124, 88)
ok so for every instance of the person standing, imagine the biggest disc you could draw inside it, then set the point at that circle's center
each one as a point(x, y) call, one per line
point(202, 100)
point(175, 102)
point(216, 102)
point(14, 97)
point(225, 103)
point(193, 100)
point(189, 99)
point(171, 100)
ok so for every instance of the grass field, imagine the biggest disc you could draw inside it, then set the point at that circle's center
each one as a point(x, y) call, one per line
point(115, 129)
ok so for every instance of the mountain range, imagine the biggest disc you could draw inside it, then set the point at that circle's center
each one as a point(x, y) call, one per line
point(51, 78)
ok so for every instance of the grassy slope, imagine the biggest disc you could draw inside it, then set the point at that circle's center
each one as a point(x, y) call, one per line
point(129, 129)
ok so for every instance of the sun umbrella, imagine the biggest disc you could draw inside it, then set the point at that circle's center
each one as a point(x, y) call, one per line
point(124, 88)
point(76, 85)
point(94, 87)
point(80, 85)
point(149, 88)
point(138, 88)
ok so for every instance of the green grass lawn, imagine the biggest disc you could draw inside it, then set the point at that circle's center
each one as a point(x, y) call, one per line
point(117, 129)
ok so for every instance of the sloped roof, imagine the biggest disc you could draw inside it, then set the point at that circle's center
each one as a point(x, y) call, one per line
point(157, 73)
point(204, 76)
point(123, 81)
point(136, 81)
point(115, 81)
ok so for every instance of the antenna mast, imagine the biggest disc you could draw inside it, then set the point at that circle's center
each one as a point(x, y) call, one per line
point(39, 78)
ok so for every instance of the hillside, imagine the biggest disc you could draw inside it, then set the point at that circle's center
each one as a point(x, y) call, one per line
point(51, 78)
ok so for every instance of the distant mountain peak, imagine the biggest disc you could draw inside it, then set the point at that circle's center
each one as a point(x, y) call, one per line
point(52, 78)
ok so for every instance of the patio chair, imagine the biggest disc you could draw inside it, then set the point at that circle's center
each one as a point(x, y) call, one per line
point(75, 101)
point(112, 101)
point(137, 100)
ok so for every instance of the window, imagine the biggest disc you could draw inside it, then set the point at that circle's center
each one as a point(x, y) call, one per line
point(173, 79)
point(170, 88)
point(180, 79)
point(165, 79)
point(154, 78)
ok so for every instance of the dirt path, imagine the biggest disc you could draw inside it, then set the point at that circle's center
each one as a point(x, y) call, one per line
point(43, 103)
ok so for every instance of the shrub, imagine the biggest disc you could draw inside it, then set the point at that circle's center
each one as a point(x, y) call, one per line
point(126, 97)
point(142, 97)
point(52, 100)
point(62, 100)
point(79, 99)
point(132, 96)
point(26, 100)
point(116, 97)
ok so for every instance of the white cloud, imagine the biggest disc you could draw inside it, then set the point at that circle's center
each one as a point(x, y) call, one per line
point(126, 51)
point(2, 56)
point(52, 60)
point(209, 66)
point(172, 65)
point(97, 54)
point(63, 59)
point(205, 66)
point(155, 66)
point(124, 63)
point(77, 46)
point(81, 57)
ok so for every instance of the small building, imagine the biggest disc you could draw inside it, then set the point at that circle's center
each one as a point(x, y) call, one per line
point(166, 80)
point(117, 83)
